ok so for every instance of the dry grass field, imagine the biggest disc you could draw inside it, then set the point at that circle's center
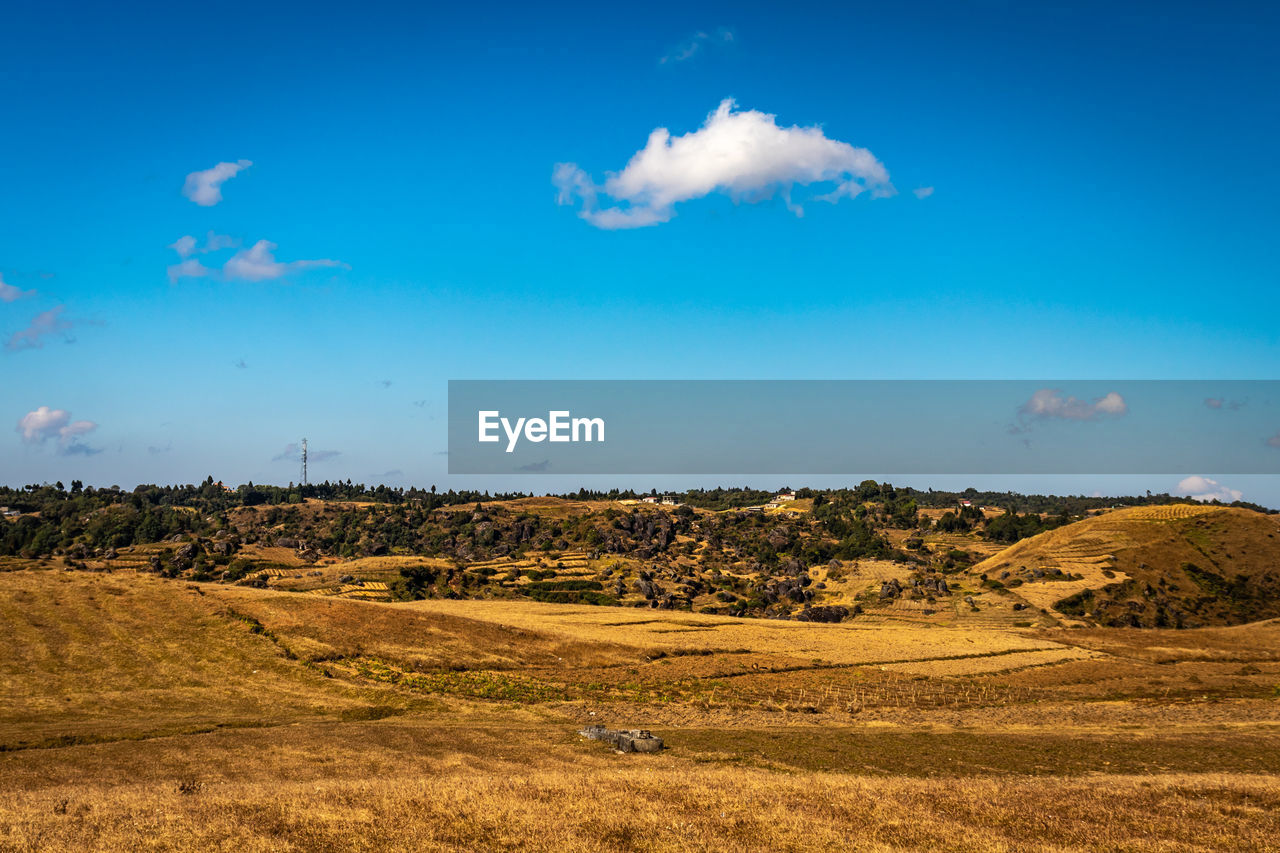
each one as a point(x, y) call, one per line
point(141, 713)
point(1184, 553)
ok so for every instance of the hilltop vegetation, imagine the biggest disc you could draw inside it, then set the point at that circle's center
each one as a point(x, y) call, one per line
point(53, 517)
point(870, 552)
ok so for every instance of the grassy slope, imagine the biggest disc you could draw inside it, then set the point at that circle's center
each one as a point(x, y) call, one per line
point(1213, 565)
point(88, 657)
point(158, 684)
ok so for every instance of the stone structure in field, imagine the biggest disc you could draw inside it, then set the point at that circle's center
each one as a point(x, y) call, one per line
point(624, 740)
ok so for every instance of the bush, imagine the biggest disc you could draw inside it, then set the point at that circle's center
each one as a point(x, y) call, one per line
point(238, 569)
point(566, 585)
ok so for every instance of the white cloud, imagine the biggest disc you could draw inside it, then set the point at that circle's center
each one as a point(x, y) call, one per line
point(205, 187)
point(923, 192)
point(190, 268)
point(45, 323)
point(213, 242)
point(1050, 403)
point(9, 293)
point(216, 242)
point(744, 155)
point(1204, 489)
point(187, 246)
point(42, 424)
point(184, 246)
point(692, 46)
point(76, 428)
point(258, 263)
point(37, 427)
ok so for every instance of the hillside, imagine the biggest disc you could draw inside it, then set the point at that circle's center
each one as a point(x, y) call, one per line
point(1172, 566)
point(870, 554)
point(145, 712)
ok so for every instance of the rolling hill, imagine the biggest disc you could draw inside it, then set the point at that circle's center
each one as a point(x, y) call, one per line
point(1166, 566)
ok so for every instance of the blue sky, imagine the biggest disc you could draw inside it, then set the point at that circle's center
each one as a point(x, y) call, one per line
point(1102, 206)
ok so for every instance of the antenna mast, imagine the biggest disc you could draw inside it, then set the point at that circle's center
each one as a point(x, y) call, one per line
point(304, 461)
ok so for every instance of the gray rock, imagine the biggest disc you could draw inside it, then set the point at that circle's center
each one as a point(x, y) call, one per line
point(624, 740)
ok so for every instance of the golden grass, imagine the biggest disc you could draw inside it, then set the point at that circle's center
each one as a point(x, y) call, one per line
point(84, 657)
point(175, 716)
point(989, 663)
point(657, 805)
point(1138, 542)
point(673, 631)
point(320, 628)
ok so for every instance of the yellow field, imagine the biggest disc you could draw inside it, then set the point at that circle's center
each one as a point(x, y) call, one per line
point(848, 643)
point(142, 713)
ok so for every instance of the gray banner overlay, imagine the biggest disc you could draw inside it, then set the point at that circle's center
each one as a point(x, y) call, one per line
point(864, 426)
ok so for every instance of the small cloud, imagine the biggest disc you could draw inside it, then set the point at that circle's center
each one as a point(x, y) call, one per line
point(923, 192)
point(155, 450)
point(9, 293)
point(1222, 404)
point(385, 383)
point(75, 448)
point(190, 268)
point(187, 246)
point(258, 263)
point(44, 324)
point(1204, 489)
point(742, 154)
point(1274, 441)
point(692, 46)
point(394, 472)
point(241, 364)
point(184, 246)
point(293, 453)
point(205, 187)
point(42, 424)
point(536, 467)
point(1050, 403)
point(420, 403)
point(217, 242)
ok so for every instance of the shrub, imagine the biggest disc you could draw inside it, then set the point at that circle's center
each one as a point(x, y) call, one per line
point(238, 569)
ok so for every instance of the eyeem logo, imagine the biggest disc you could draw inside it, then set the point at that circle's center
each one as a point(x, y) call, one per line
point(558, 426)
